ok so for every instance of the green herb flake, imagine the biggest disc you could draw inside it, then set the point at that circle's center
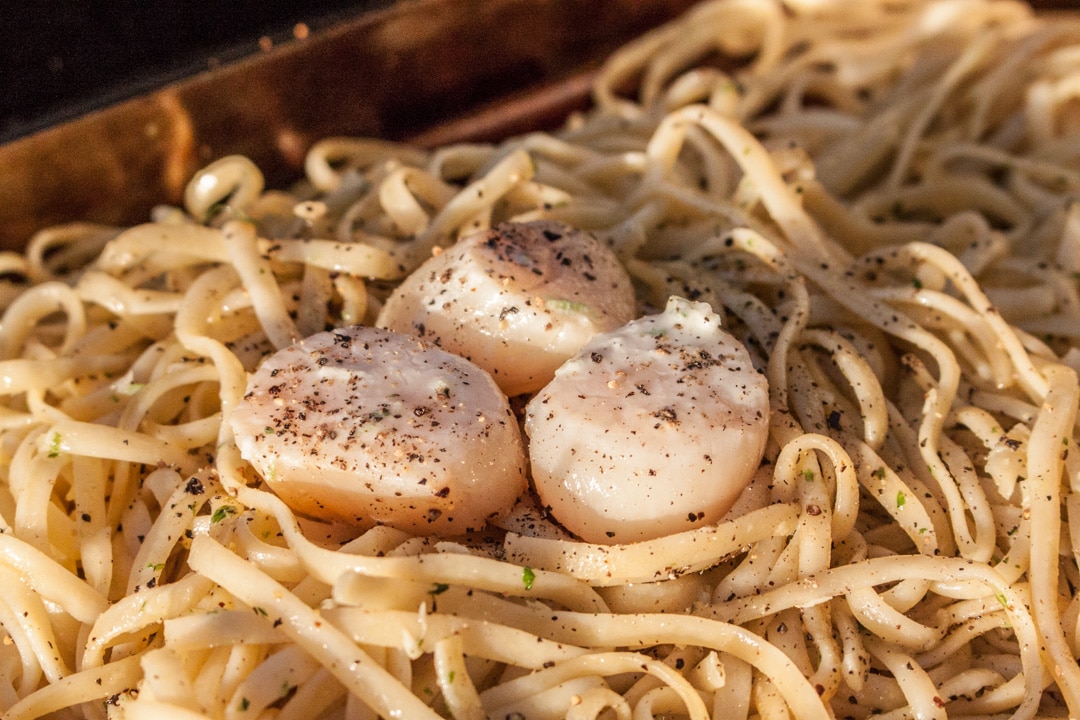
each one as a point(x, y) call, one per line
point(900, 499)
point(528, 577)
point(808, 476)
point(211, 211)
point(259, 611)
point(131, 388)
point(54, 445)
point(438, 589)
point(916, 283)
point(1002, 600)
point(221, 513)
point(156, 567)
point(451, 676)
point(244, 704)
point(879, 473)
point(569, 306)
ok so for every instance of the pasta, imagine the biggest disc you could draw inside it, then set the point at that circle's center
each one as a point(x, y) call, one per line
point(879, 201)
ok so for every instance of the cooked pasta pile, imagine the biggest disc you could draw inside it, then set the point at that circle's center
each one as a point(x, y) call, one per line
point(878, 198)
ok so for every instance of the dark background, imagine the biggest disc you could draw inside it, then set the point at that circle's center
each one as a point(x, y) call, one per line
point(59, 58)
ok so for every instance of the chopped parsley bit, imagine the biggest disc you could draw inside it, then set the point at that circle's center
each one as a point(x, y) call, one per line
point(916, 283)
point(269, 430)
point(568, 306)
point(528, 577)
point(221, 513)
point(54, 445)
point(900, 499)
point(259, 611)
point(879, 473)
point(156, 567)
point(808, 476)
point(130, 388)
point(1003, 600)
point(922, 531)
point(210, 213)
point(223, 205)
point(244, 704)
point(438, 589)
point(450, 677)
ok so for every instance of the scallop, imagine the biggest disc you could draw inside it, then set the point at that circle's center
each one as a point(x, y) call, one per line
point(518, 300)
point(369, 426)
point(651, 429)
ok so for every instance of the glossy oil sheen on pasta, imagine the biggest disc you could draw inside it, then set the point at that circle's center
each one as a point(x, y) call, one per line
point(877, 199)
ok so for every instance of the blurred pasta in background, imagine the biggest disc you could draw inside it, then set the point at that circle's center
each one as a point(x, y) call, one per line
point(879, 200)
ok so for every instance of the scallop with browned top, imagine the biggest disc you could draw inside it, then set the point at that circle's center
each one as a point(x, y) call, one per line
point(370, 426)
point(518, 300)
point(651, 429)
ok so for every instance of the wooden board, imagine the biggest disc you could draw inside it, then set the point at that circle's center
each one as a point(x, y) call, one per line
point(429, 70)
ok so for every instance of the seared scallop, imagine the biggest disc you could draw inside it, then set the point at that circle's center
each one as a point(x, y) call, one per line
point(517, 300)
point(369, 426)
point(651, 429)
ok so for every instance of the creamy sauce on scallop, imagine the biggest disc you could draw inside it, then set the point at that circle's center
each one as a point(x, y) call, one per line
point(518, 300)
point(651, 429)
point(369, 426)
